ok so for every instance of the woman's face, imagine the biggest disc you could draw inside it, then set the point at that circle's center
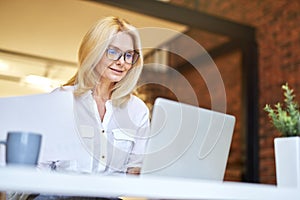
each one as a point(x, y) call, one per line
point(113, 71)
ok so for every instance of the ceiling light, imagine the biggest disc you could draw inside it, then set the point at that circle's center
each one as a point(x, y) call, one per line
point(40, 82)
point(3, 66)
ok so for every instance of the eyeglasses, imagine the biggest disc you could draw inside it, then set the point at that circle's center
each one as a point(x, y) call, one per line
point(130, 57)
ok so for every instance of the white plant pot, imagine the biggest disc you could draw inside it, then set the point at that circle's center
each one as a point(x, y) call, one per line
point(287, 159)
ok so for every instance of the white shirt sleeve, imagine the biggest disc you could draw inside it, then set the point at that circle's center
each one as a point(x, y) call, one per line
point(141, 137)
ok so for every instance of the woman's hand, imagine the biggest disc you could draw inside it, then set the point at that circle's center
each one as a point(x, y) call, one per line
point(134, 170)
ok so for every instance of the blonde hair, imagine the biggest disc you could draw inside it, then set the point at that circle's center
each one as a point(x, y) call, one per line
point(93, 47)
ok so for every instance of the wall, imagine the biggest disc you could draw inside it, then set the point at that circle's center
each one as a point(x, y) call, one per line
point(278, 38)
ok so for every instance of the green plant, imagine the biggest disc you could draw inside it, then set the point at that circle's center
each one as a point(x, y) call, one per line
point(285, 117)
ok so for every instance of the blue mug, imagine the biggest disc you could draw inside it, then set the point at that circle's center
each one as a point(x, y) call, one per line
point(22, 148)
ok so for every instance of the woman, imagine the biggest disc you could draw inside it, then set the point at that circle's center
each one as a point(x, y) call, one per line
point(112, 122)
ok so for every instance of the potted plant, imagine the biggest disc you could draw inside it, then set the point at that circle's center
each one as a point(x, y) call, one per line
point(285, 118)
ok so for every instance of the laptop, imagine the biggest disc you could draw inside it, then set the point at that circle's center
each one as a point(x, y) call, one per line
point(52, 116)
point(187, 141)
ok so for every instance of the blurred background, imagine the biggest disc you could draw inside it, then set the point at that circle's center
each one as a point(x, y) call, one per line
point(39, 40)
point(254, 44)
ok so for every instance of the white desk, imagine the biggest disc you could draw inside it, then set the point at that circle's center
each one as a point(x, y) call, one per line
point(33, 181)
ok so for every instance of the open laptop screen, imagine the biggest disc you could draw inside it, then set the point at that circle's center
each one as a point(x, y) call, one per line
point(188, 141)
point(51, 115)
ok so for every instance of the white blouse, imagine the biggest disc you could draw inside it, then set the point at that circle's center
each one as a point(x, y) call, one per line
point(116, 143)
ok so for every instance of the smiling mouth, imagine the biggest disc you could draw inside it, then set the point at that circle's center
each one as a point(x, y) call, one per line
point(115, 70)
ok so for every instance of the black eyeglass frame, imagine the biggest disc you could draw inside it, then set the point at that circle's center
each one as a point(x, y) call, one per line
point(136, 55)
